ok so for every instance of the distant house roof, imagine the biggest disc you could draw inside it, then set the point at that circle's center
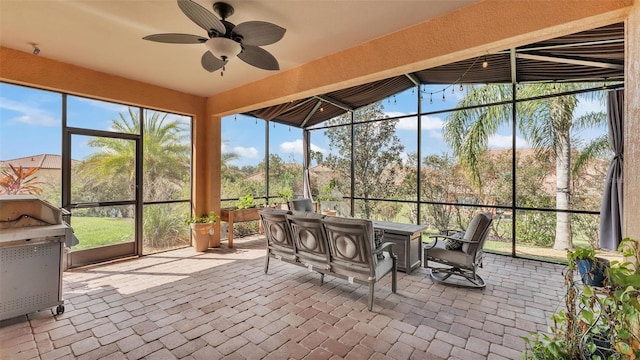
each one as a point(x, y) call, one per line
point(41, 161)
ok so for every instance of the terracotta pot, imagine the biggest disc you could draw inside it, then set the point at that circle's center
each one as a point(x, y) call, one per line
point(200, 234)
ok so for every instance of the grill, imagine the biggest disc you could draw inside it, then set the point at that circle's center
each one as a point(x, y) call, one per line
point(32, 240)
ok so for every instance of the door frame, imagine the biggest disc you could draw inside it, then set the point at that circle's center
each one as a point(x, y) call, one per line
point(109, 252)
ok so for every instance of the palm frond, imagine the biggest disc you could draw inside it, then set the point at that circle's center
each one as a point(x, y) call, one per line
point(597, 148)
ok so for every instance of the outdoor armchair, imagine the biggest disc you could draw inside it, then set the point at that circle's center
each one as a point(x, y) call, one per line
point(354, 255)
point(301, 205)
point(463, 261)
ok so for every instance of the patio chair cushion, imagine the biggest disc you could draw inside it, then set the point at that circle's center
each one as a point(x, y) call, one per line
point(302, 205)
point(384, 266)
point(440, 251)
point(475, 230)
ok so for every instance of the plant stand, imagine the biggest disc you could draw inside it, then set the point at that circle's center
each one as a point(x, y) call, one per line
point(239, 215)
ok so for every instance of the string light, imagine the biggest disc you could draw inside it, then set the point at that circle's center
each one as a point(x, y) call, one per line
point(485, 63)
point(604, 84)
point(453, 85)
point(395, 102)
point(235, 118)
point(321, 109)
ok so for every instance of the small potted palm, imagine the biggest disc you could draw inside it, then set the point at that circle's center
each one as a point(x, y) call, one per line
point(202, 229)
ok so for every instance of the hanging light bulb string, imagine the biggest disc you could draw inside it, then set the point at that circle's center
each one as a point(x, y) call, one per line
point(452, 85)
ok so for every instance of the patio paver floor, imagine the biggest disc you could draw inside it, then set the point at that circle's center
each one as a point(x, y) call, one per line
point(220, 304)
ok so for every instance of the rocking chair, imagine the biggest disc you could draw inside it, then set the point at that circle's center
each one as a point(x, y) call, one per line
point(463, 261)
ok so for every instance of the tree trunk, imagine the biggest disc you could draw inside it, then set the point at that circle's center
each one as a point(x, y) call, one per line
point(563, 193)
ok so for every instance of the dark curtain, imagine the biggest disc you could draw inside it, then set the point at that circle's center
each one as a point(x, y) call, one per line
point(611, 208)
point(306, 161)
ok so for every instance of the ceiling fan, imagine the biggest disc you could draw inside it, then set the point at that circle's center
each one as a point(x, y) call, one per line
point(226, 40)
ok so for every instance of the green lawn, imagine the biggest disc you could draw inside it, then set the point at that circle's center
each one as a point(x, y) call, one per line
point(98, 231)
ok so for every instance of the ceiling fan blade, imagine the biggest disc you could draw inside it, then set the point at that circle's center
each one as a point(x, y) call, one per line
point(201, 16)
point(210, 62)
point(259, 58)
point(173, 38)
point(258, 33)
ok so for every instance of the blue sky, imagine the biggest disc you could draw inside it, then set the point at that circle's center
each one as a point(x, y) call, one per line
point(30, 124)
point(31, 121)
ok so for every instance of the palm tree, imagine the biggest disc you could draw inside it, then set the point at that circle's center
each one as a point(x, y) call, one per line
point(165, 156)
point(545, 123)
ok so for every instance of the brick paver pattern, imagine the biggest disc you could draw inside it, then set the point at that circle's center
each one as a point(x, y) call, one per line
point(219, 304)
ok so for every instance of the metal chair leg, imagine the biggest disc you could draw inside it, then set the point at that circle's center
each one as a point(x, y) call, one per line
point(266, 262)
point(394, 276)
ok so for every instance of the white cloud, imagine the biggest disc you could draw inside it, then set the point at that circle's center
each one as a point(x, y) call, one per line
point(498, 141)
point(295, 147)
point(29, 113)
point(428, 123)
point(246, 152)
point(291, 147)
point(432, 123)
point(391, 114)
point(436, 134)
point(408, 123)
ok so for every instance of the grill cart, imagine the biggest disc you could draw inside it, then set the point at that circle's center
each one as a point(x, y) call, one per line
point(32, 239)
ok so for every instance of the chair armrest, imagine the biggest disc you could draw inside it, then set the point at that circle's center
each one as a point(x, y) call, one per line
point(384, 246)
point(448, 232)
point(452, 238)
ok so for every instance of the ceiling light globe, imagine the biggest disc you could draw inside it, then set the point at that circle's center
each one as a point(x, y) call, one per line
point(223, 48)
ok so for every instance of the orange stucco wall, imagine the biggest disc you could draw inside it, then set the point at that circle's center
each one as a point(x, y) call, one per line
point(26, 69)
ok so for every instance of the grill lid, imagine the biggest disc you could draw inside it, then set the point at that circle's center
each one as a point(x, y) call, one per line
point(24, 217)
point(27, 210)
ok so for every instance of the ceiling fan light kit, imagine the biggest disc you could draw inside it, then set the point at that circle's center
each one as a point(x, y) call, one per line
point(223, 48)
point(226, 40)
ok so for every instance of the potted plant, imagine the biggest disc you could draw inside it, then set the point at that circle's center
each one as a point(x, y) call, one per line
point(246, 202)
point(597, 323)
point(202, 229)
point(590, 267)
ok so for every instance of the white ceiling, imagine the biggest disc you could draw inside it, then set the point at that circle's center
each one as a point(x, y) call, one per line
point(106, 35)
